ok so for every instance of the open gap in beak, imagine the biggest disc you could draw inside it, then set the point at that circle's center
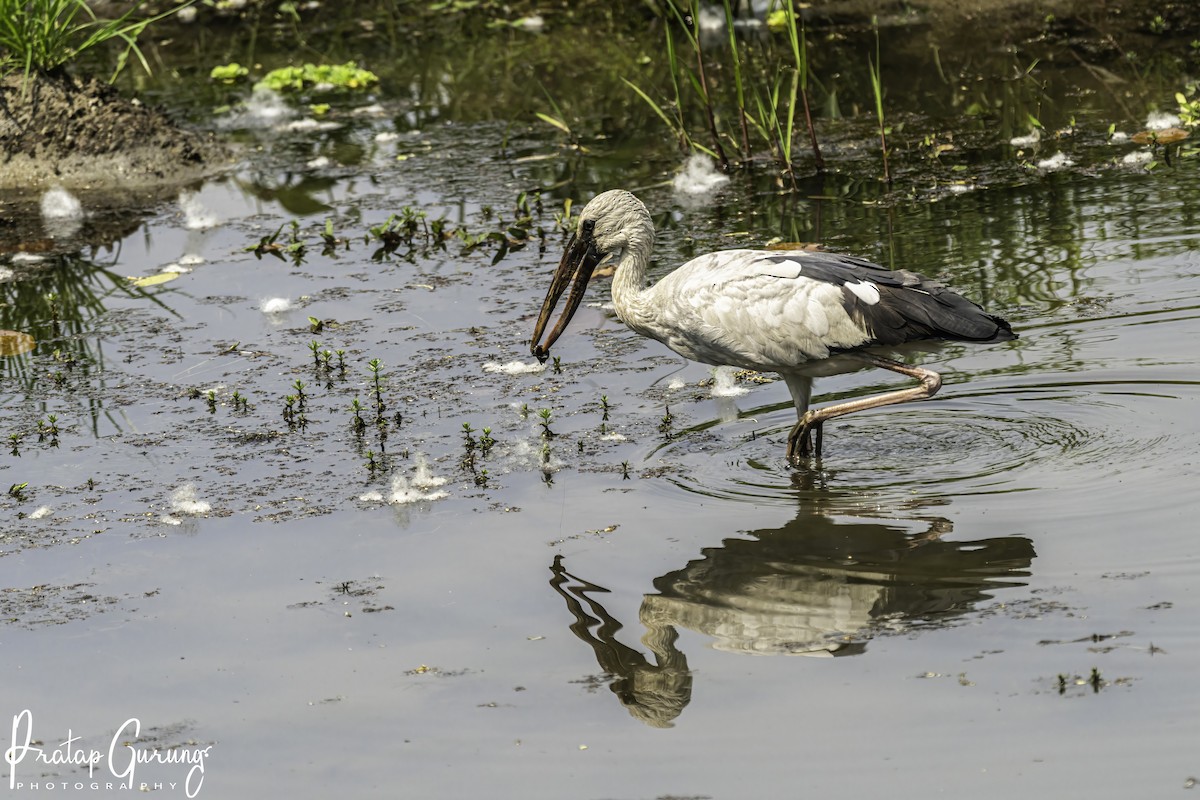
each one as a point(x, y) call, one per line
point(575, 268)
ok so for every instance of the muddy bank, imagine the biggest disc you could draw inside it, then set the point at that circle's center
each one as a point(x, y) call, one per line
point(84, 135)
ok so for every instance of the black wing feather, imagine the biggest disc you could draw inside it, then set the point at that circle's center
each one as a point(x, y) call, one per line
point(910, 306)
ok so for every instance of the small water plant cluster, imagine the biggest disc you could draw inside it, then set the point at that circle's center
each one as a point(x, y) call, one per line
point(474, 449)
point(1189, 106)
point(380, 422)
point(1065, 682)
point(239, 402)
point(411, 231)
point(47, 433)
point(348, 76)
point(294, 406)
point(306, 77)
point(291, 249)
point(324, 363)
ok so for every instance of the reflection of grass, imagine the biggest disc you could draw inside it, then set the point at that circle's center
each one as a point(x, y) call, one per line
point(56, 302)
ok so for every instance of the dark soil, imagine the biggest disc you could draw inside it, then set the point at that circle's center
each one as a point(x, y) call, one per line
point(85, 135)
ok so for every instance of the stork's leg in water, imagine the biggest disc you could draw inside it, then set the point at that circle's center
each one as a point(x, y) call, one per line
point(800, 444)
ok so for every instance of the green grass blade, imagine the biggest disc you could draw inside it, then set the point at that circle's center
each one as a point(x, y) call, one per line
point(655, 107)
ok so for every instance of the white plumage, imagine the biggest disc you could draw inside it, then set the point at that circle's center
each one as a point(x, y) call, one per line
point(764, 310)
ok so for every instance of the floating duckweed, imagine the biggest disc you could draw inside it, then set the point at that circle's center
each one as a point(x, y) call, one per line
point(339, 76)
point(228, 73)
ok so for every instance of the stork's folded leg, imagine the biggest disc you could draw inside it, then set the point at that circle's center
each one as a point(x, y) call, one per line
point(799, 440)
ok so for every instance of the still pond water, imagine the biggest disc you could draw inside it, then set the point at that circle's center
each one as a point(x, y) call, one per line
point(981, 595)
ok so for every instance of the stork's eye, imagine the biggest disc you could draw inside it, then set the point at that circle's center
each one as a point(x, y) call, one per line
point(589, 225)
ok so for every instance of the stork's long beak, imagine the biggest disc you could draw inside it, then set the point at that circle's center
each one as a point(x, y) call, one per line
point(578, 262)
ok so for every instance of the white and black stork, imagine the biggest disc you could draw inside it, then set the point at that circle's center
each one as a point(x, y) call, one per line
point(772, 311)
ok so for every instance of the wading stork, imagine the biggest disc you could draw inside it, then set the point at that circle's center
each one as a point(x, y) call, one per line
point(771, 311)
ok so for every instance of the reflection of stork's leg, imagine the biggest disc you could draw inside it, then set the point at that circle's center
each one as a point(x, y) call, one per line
point(799, 441)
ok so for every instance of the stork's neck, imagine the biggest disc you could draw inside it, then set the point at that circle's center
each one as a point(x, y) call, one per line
point(629, 292)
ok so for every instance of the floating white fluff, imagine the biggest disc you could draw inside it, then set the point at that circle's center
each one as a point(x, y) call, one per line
point(514, 367)
point(44, 511)
point(676, 384)
point(319, 162)
point(183, 501)
point(311, 125)
point(613, 437)
point(374, 110)
point(275, 305)
point(1056, 161)
point(405, 490)
point(6, 274)
point(59, 204)
point(424, 477)
point(195, 216)
point(266, 105)
point(699, 176)
point(725, 383)
point(710, 20)
point(386, 136)
point(1137, 157)
point(1161, 120)
point(533, 23)
point(1118, 137)
point(402, 493)
point(1030, 140)
point(27, 258)
point(176, 269)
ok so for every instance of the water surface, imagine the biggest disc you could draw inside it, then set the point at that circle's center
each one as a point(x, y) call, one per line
point(634, 607)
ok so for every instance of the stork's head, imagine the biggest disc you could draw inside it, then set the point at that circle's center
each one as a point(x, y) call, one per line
point(613, 222)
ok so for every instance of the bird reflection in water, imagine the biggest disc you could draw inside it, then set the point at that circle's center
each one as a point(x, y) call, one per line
point(819, 586)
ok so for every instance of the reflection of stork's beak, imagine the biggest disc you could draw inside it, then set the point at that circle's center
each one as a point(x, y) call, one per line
point(577, 262)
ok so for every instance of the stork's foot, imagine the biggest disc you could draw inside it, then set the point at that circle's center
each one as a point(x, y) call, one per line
point(804, 442)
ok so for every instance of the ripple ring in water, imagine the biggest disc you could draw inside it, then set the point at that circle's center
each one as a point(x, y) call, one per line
point(991, 441)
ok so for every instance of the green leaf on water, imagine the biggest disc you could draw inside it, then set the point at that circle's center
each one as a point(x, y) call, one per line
point(558, 123)
point(155, 279)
